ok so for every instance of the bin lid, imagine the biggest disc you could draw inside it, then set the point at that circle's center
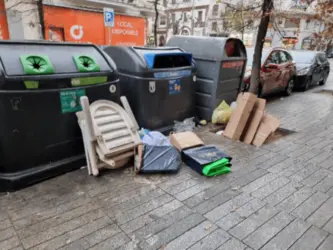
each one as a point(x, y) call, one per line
point(212, 48)
point(139, 59)
point(19, 58)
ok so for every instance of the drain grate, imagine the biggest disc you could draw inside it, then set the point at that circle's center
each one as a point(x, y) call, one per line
point(325, 91)
point(278, 134)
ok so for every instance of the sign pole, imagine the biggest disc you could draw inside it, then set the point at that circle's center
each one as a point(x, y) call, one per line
point(109, 21)
point(109, 31)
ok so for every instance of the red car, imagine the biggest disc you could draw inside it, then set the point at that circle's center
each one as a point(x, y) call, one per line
point(277, 73)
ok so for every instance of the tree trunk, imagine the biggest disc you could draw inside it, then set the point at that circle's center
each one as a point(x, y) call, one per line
point(266, 8)
point(156, 20)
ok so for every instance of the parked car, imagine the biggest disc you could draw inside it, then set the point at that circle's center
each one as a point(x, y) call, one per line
point(312, 68)
point(329, 54)
point(277, 71)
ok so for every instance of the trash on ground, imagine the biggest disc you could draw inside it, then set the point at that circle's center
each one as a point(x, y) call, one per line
point(103, 147)
point(187, 125)
point(240, 115)
point(221, 132)
point(159, 155)
point(156, 154)
point(233, 105)
point(221, 114)
point(143, 132)
point(254, 122)
point(249, 122)
point(203, 122)
point(185, 140)
point(207, 160)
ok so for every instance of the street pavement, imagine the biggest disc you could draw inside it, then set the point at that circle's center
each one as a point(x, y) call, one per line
point(277, 197)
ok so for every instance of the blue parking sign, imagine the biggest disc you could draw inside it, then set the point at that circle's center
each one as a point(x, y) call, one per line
point(108, 17)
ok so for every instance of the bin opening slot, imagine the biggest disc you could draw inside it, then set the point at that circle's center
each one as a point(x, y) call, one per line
point(36, 64)
point(234, 48)
point(170, 60)
point(86, 64)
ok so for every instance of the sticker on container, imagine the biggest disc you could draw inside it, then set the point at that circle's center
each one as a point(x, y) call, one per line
point(113, 88)
point(70, 100)
point(174, 87)
point(84, 81)
point(31, 84)
point(152, 86)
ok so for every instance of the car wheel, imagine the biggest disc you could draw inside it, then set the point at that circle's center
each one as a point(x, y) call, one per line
point(323, 82)
point(289, 88)
point(307, 83)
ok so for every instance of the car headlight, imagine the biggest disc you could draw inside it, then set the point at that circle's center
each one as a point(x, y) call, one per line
point(303, 71)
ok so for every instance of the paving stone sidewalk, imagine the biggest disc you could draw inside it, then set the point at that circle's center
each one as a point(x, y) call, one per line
point(277, 197)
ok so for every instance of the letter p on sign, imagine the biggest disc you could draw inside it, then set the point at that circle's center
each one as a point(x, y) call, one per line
point(108, 17)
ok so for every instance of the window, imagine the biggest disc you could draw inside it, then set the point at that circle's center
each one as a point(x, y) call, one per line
point(292, 23)
point(289, 57)
point(200, 16)
point(322, 58)
point(185, 17)
point(162, 20)
point(283, 57)
point(214, 26)
point(186, 1)
point(273, 58)
point(215, 10)
point(173, 2)
point(173, 17)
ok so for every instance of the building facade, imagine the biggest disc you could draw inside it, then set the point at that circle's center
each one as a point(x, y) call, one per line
point(76, 21)
point(293, 25)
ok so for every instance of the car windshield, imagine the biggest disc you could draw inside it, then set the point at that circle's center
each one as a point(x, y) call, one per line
point(250, 53)
point(303, 57)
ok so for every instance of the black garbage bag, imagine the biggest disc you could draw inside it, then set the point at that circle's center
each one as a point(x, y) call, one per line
point(159, 155)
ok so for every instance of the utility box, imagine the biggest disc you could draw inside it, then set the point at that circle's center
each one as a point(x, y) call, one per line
point(220, 64)
point(158, 83)
point(40, 88)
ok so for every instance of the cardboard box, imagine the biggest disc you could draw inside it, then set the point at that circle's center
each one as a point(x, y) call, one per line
point(254, 121)
point(185, 140)
point(269, 124)
point(239, 117)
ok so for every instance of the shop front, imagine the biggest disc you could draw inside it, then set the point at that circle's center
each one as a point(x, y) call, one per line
point(82, 26)
point(289, 42)
point(4, 34)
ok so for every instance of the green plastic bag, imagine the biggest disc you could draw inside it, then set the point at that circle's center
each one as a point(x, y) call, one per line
point(222, 113)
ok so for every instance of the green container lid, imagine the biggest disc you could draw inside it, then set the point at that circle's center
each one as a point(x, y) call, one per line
point(36, 64)
point(86, 64)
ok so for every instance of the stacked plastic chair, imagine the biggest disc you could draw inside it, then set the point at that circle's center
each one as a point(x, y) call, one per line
point(110, 134)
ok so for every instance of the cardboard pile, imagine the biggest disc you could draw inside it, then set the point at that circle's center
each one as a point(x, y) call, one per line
point(249, 122)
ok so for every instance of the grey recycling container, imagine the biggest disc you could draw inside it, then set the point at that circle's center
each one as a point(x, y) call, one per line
point(40, 88)
point(220, 70)
point(158, 83)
